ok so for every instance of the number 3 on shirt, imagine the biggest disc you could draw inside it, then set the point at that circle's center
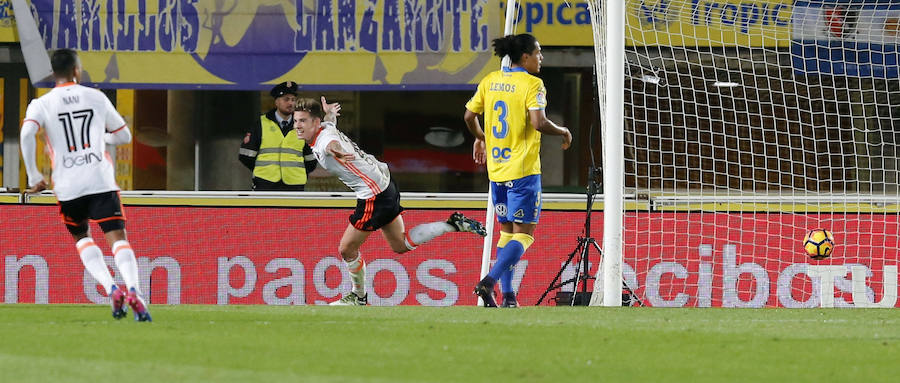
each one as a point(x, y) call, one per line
point(504, 127)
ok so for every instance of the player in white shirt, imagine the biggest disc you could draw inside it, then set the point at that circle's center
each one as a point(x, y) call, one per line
point(378, 201)
point(78, 122)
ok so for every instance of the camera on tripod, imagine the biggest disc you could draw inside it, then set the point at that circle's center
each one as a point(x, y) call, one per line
point(582, 263)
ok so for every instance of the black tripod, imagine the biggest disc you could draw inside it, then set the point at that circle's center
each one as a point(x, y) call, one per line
point(583, 249)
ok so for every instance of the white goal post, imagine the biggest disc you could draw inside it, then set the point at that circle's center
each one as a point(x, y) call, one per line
point(609, 53)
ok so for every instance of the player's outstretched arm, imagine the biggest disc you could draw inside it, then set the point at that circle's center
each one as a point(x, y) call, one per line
point(336, 151)
point(29, 145)
point(542, 124)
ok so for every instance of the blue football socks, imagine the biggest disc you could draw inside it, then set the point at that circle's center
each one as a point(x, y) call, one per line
point(506, 257)
point(506, 280)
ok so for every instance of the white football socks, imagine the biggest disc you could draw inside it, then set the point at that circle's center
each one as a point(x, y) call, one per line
point(92, 258)
point(426, 232)
point(357, 269)
point(127, 264)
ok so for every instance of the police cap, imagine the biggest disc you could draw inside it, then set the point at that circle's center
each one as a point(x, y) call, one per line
point(288, 87)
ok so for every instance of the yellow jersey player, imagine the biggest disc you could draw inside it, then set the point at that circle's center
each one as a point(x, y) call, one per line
point(512, 101)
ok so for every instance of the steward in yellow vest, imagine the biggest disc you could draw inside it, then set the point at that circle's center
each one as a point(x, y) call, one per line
point(278, 158)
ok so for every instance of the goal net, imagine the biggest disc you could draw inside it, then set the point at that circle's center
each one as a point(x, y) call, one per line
point(748, 123)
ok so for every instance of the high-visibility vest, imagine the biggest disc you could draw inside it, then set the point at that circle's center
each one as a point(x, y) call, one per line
point(280, 156)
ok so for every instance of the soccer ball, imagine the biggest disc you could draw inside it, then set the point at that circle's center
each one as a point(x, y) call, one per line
point(819, 244)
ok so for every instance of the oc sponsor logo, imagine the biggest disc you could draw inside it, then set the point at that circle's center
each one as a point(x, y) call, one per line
point(501, 154)
point(80, 160)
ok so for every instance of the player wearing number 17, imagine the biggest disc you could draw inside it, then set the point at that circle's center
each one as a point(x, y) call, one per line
point(78, 122)
point(512, 101)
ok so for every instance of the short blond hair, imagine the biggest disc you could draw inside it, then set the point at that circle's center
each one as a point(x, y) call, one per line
point(311, 106)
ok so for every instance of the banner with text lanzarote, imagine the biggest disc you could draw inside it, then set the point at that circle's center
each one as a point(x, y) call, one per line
point(321, 44)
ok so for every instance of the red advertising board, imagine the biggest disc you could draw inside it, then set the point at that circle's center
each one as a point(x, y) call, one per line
point(241, 255)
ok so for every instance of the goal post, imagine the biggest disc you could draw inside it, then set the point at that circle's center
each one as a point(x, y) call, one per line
point(731, 128)
point(609, 53)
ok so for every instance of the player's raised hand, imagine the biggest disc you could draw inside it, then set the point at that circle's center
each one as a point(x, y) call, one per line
point(333, 109)
point(567, 139)
point(479, 152)
point(37, 188)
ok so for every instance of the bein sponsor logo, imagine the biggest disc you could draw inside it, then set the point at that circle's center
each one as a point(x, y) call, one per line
point(80, 160)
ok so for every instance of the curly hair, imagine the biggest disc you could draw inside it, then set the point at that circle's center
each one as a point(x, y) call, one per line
point(514, 46)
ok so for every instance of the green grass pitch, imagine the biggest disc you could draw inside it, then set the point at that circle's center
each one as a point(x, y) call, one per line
point(82, 343)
